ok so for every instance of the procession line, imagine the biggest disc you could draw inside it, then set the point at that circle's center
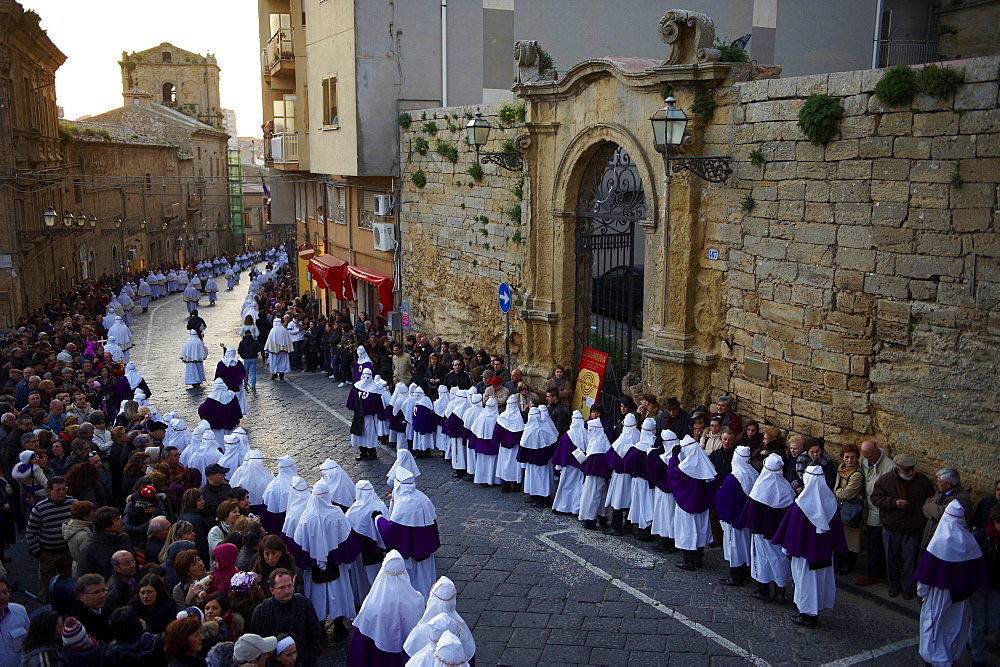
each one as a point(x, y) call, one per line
point(874, 653)
point(545, 538)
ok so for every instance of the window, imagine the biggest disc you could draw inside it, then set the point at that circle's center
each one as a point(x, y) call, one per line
point(338, 205)
point(279, 22)
point(284, 114)
point(149, 183)
point(169, 92)
point(330, 117)
point(166, 57)
point(135, 100)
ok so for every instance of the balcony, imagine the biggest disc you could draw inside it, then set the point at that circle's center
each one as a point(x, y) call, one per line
point(906, 52)
point(171, 211)
point(283, 148)
point(279, 55)
point(193, 202)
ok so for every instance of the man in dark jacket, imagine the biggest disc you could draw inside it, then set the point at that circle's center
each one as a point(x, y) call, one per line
point(108, 538)
point(557, 411)
point(90, 611)
point(900, 495)
point(122, 581)
point(457, 378)
point(673, 418)
point(196, 323)
point(216, 490)
point(293, 613)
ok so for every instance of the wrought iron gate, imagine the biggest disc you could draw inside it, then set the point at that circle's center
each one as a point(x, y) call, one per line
point(609, 311)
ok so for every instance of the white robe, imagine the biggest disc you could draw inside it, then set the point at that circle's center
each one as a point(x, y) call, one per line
point(569, 490)
point(194, 372)
point(538, 479)
point(691, 531)
point(735, 545)
point(507, 466)
point(279, 363)
point(486, 469)
point(664, 508)
point(423, 574)
point(815, 590)
point(592, 496)
point(619, 491)
point(332, 599)
point(642, 504)
point(768, 563)
point(944, 625)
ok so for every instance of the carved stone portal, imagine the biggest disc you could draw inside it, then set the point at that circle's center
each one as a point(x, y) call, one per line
point(690, 36)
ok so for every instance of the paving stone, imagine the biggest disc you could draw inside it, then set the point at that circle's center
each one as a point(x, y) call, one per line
point(597, 638)
point(569, 637)
point(500, 603)
point(528, 637)
point(519, 656)
point(644, 642)
point(529, 620)
point(644, 659)
point(577, 655)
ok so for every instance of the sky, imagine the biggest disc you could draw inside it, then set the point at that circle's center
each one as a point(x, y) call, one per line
point(94, 33)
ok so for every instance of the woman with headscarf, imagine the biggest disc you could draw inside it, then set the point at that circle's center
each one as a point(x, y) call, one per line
point(359, 515)
point(729, 503)
point(692, 483)
point(424, 422)
point(193, 355)
point(397, 418)
point(455, 428)
point(535, 452)
point(510, 427)
point(326, 537)
point(124, 389)
point(275, 496)
point(593, 509)
point(568, 458)
point(951, 570)
point(279, 347)
point(811, 534)
point(486, 445)
point(763, 513)
point(619, 497)
point(365, 402)
point(442, 600)
point(233, 373)
point(221, 409)
point(390, 611)
point(426, 636)
point(191, 295)
point(412, 530)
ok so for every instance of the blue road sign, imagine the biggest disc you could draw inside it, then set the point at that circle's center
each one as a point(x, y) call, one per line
point(504, 295)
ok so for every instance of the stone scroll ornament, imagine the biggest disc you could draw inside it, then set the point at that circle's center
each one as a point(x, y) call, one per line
point(526, 55)
point(690, 36)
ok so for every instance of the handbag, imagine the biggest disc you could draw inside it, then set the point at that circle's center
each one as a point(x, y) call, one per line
point(850, 512)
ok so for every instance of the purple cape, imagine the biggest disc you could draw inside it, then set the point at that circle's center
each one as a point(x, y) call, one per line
point(416, 542)
point(506, 438)
point(364, 653)
point(231, 375)
point(397, 422)
point(424, 420)
point(597, 466)
point(125, 392)
point(656, 470)
point(694, 496)
point(369, 546)
point(358, 370)
point(371, 403)
point(798, 537)
point(453, 426)
point(730, 501)
point(967, 576)
point(615, 462)
point(226, 416)
point(762, 519)
point(635, 463)
point(271, 521)
point(536, 457)
point(487, 446)
point(346, 552)
point(564, 453)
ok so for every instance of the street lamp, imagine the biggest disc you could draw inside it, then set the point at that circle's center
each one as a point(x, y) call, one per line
point(49, 217)
point(93, 221)
point(67, 219)
point(81, 219)
point(477, 132)
point(142, 223)
point(669, 124)
point(118, 222)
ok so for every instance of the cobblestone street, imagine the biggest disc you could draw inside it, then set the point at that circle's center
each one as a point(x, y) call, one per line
point(535, 588)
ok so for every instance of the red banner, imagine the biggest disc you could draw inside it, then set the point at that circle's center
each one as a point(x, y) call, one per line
point(589, 378)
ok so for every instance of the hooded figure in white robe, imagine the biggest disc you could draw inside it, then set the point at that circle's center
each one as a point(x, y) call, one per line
point(194, 443)
point(440, 406)
point(365, 403)
point(453, 418)
point(469, 417)
point(389, 613)
point(140, 400)
point(359, 515)
point(122, 335)
point(171, 281)
point(412, 530)
point(233, 364)
point(442, 600)
point(510, 427)
point(255, 478)
point(431, 634)
point(397, 419)
point(193, 355)
point(692, 480)
point(424, 421)
point(949, 572)
point(382, 419)
point(664, 505)
point(770, 498)
point(619, 496)
point(206, 453)
point(730, 500)
point(127, 305)
point(233, 454)
point(569, 457)
point(324, 533)
point(191, 295)
point(339, 484)
point(595, 476)
point(404, 459)
point(642, 495)
point(177, 435)
point(144, 292)
point(275, 496)
point(298, 496)
point(279, 347)
point(112, 347)
point(212, 289)
point(487, 449)
point(535, 453)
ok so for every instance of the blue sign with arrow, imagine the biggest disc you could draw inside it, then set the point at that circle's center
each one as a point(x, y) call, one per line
point(504, 295)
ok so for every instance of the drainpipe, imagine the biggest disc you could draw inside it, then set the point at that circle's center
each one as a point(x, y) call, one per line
point(878, 32)
point(444, 53)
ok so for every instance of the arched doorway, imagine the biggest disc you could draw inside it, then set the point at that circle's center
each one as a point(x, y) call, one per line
point(610, 260)
point(169, 92)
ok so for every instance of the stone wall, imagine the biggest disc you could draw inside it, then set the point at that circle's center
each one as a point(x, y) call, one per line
point(458, 238)
point(968, 28)
point(863, 287)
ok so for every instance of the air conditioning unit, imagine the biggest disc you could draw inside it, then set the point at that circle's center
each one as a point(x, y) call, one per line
point(384, 235)
point(130, 255)
point(383, 205)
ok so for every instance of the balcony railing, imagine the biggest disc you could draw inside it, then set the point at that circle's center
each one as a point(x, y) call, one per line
point(902, 52)
point(278, 52)
point(284, 147)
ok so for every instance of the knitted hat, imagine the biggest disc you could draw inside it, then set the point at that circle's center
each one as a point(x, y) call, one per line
point(242, 581)
point(148, 491)
point(75, 636)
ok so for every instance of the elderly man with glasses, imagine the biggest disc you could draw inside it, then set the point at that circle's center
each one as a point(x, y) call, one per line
point(899, 496)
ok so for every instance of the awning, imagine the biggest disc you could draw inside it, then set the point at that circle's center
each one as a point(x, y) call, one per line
point(330, 272)
point(380, 280)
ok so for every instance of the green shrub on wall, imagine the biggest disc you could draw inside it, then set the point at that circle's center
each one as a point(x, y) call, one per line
point(897, 86)
point(819, 116)
point(704, 105)
point(420, 145)
point(447, 151)
point(418, 178)
point(938, 81)
point(404, 119)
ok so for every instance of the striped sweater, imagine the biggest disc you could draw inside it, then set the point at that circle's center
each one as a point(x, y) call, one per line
point(44, 528)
